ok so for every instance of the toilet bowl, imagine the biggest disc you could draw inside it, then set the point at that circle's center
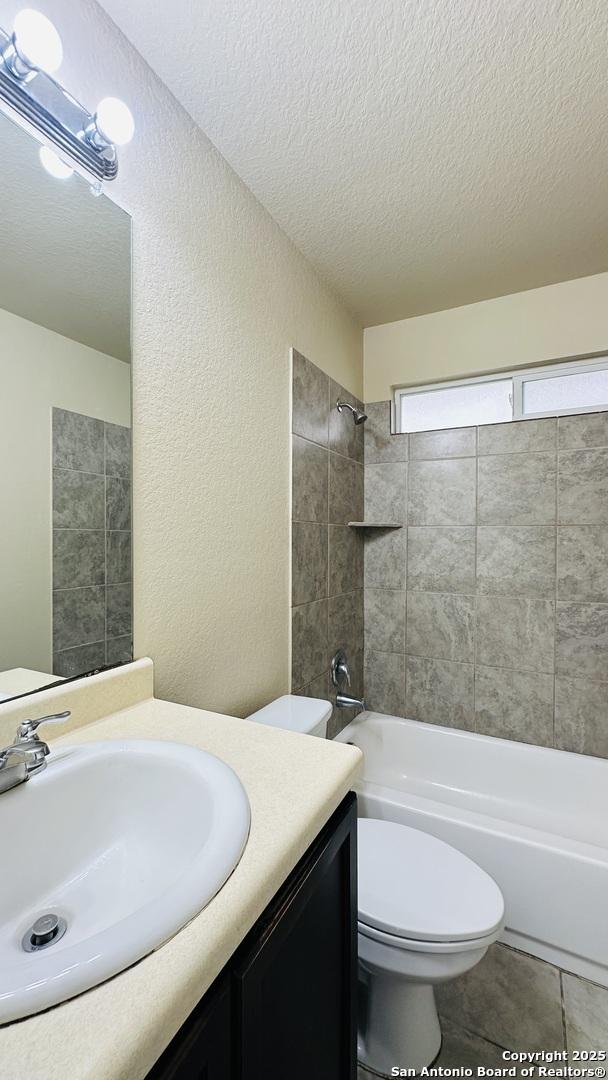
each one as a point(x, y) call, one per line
point(427, 914)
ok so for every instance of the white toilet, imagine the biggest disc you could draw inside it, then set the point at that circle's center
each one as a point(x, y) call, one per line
point(427, 914)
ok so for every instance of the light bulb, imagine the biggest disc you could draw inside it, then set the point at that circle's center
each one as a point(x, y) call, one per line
point(37, 40)
point(54, 165)
point(114, 121)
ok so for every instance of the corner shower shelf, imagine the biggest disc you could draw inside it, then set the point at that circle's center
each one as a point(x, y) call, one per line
point(375, 524)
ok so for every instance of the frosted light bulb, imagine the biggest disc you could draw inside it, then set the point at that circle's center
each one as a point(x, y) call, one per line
point(114, 121)
point(54, 165)
point(37, 40)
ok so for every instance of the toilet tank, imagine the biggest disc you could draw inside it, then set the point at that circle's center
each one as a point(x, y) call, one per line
point(307, 715)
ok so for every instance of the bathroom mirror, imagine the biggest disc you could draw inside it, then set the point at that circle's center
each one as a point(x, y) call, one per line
point(65, 424)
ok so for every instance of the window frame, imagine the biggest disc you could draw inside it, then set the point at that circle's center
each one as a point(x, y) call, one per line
point(519, 376)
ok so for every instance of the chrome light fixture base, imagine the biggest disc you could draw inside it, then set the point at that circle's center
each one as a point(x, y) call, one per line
point(42, 107)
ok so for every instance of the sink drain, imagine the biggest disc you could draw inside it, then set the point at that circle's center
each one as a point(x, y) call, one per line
point(45, 931)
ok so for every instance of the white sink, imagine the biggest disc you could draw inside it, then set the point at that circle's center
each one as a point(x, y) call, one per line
point(125, 841)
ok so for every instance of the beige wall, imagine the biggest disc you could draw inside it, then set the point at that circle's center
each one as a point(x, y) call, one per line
point(220, 294)
point(40, 369)
point(569, 319)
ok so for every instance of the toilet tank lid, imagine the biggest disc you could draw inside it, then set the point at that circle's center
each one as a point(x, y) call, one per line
point(294, 713)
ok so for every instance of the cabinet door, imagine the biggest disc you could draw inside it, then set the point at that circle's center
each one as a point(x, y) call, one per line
point(295, 981)
point(202, 1048)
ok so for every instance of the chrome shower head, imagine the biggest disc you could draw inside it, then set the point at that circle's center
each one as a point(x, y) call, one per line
point(358, 415)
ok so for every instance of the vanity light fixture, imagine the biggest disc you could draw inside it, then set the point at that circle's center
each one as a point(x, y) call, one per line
point(73, 139)
point(113, 123)
point(36, 45)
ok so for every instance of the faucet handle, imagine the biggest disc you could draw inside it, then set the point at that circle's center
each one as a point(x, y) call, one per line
point(340, 671)
point(27, 728)
point(343, 672)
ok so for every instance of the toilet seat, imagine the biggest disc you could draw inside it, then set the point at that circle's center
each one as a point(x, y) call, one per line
point(416, 945)
point(416, 891)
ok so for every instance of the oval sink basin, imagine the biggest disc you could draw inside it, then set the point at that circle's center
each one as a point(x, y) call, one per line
point(125, 842)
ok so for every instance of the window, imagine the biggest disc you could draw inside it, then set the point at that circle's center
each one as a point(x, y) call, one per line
point(550, 390)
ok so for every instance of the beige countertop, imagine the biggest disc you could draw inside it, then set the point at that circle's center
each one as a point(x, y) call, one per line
point(116, 1031)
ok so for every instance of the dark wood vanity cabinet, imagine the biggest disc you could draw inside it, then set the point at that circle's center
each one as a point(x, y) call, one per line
point(203, 1047)
point(285, 1005)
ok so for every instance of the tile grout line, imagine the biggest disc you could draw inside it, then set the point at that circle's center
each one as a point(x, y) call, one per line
point(87, 472)
point(562, 1001)
point(485, 667)
point(86, 644)
point(95, 585)
point(72, 648)
point(499, 596)
point(329, 449)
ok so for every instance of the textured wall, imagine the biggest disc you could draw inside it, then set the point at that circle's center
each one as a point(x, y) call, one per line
point(489, 612)
point(524, 328)
point(327, 555)
point(219, 296)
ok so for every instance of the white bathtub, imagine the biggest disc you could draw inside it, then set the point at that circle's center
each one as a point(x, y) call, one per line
point(535, 819)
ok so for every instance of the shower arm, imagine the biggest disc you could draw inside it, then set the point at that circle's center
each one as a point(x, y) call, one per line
point(358, 416)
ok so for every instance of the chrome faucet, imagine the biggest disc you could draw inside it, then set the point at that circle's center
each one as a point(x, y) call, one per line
point(347, 701)
point(27, 753)
point(340, 677)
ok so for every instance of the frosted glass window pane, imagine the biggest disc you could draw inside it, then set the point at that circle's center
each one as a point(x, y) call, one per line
point(457, 406)
point(581, 390)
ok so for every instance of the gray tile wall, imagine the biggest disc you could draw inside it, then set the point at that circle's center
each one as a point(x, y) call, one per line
point(92, 576)
point(489, 612)
point(327, 556)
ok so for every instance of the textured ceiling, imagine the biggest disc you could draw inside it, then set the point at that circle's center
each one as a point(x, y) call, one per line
point(65, 256)
point(422, 153)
